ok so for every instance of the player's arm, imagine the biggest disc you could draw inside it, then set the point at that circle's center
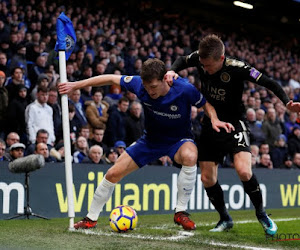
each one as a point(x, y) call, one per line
point(279, 92)
point(181, 63)
point(102, 80)
point(216, 123)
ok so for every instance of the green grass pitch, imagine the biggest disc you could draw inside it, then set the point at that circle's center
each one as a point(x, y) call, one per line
point(154, 232)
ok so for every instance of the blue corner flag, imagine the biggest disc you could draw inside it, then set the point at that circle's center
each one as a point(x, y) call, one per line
point(66, 37)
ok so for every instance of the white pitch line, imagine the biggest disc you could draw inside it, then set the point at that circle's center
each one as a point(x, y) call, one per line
point(184, 235)
point(167, 226)
point(181, 235)
point(213, 243)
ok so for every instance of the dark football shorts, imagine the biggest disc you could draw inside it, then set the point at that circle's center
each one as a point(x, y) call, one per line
point(215, 146)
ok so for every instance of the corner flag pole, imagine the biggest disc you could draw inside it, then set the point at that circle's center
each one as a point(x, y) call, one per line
point(66, 40)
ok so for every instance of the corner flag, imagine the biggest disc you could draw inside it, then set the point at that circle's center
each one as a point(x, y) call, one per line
point(65, 44)
point(66, 37)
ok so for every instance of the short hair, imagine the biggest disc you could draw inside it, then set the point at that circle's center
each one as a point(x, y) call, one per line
point(41, 131)
point(123, 99)
point(211, 46)
point(153, 68)
point(2, 142)
point(42, 89)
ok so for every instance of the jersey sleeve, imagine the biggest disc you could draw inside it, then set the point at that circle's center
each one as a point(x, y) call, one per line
point(183, 62)
point(193, 95)
point(253, 75)
point(131, 83)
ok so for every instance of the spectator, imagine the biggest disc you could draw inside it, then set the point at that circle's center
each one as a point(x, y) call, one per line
point(42, 149)
point(81, 149)
point(19, 59)
point(42, 80)
point(15, 151)
point(294, 141)
point(111, 156)
point(290, 124)
point(3, 103)
point(58, 152)
point(95, 155)
point(120, 146)
point(134, 123)
point(279, 153)
point(260, 117)
point(96, 111)
point(116, 130)
point(271, 127)
point(296, 161)
point(3, 63)
point(39, 115)
point(42, 136)
point(265, 162)
point(2, 150)
point(11, 139)
point(254, 155)
point(264, 148)
point(16, 79)
point(257, 136)
point(16, 114)
point(85, 132)
point(114, 95)
point(80, 116)
point(97, 138)
point(57, 113)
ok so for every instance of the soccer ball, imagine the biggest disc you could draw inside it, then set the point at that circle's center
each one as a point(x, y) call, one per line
point(123, 218)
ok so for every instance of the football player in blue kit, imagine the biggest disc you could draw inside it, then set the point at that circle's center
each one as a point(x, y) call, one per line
point(222, 84)
point(167, 132)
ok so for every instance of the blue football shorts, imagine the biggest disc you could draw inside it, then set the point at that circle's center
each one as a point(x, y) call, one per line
point(144, 151)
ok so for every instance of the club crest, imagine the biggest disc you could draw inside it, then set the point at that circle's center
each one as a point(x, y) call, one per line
point(173, 108)
point(225, 77)
point(70, 43)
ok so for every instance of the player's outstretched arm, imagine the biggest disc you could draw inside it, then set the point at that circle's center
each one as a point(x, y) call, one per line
point(102, 80)
point(216, 123)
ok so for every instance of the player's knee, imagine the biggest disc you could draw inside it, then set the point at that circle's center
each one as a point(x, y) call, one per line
point(189, 158)
point(208, 180)
point(244, 175)
point(112, 176)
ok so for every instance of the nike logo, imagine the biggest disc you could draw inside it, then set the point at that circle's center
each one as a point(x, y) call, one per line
point(274, 227)
point(147, 104)
point(187, 189)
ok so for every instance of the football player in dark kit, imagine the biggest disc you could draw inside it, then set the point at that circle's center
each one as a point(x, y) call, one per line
point(222, 85)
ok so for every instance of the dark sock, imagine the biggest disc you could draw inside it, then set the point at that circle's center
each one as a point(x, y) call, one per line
point(252, 188)
point(216, 196)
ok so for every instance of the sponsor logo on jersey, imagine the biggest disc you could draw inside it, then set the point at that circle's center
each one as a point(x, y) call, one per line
point(254, 73)
point(173, 108)
point(127, 79)
point(225, 77)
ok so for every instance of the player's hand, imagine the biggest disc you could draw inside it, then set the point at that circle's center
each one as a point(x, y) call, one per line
point(217, 124)
point(169, 77)
point(65, 87)
point(293, 106)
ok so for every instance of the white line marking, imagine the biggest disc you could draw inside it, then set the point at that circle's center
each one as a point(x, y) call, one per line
point(181, 235)
point(213, 243)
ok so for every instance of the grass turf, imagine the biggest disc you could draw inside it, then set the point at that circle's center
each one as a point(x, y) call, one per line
point(152, 232)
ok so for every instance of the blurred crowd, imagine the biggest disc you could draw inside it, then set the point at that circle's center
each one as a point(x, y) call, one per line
point(104, 121)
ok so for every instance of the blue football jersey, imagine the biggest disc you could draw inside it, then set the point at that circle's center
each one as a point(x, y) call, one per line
point(167, 118)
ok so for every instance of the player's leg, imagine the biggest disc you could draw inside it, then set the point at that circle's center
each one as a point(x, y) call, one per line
point(242, 163)
point(186, 156)
point(209, 178)
point(123, 166)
